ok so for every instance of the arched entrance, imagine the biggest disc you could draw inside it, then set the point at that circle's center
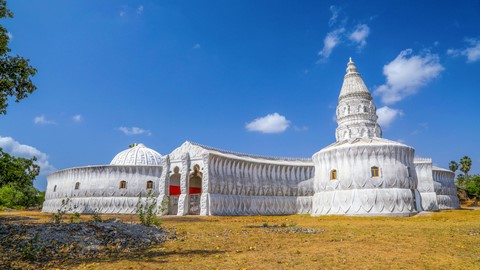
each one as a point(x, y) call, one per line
point(174, 191)
point(195, 190)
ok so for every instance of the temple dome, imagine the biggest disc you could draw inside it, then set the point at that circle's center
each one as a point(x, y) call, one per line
point(137, 155)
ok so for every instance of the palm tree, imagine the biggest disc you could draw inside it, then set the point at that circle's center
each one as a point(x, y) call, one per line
point(465, 165)
point(453, 166)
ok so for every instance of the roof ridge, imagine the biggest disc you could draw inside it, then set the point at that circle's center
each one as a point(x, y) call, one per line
point(248, 155)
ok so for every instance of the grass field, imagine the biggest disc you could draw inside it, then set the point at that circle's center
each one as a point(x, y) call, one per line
point(440, 240)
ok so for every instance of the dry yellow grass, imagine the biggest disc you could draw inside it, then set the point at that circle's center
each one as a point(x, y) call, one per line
point(440, 240)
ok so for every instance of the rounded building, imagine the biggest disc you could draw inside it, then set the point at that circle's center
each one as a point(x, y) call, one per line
point(113, 188)
point(362, 173)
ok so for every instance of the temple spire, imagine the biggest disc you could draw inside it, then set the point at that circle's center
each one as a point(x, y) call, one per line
point(356, 112)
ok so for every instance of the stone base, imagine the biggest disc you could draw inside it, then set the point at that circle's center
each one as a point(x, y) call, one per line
point(364, 202)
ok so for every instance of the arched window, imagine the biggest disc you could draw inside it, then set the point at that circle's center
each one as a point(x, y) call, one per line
point(77, 185)
point(149, 184)
point(375, 171)
point(333, 174)
point(123, 184)
point(55, 188)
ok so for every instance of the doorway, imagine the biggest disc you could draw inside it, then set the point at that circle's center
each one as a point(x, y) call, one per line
point(195, 190)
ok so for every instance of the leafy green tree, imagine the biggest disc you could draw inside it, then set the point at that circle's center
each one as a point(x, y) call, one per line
point(15, 71)
point(465, 165)
point(473, 187)
point(453, 166)
point(16, 181)
point(17, 170)
point(16, 174)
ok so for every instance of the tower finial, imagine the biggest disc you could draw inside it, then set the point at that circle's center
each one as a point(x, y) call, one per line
point(350, 60)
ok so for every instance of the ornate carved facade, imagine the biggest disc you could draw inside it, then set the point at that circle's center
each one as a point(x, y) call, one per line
point(360, 174)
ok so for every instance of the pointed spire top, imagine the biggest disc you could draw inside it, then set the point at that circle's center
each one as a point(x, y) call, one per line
point(351, 68)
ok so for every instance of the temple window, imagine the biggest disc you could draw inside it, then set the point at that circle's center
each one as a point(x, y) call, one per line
point(375, 171)
point(333, 174)
point(55, 188)
point(77, 185)
point(149, 184)
point(123, 184)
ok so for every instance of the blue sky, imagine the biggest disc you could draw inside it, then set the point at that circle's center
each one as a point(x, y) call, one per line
point(259, 77)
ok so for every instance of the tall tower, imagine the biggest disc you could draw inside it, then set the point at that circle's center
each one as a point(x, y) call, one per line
point(356, 112)
point(363, 173)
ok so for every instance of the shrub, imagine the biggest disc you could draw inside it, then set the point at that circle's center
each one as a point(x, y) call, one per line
point(57, 217)
point(147, 210)
point(96, 216)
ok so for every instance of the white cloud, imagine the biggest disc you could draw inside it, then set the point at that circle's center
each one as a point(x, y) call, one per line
point(360, 34)
point(77, 118)
point(406, 74)
point(387, 115)
point(10, 36)
point(335, 11)
point(330, 42)
point(122, 13)
point(340, 32)
point(272, 123)
point(472, 53)
point(140, 10)
point(42, 120)
point(14, 148)
point(196, 46)
point(134, 131)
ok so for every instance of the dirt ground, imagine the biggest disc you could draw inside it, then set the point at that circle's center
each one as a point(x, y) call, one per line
point(439, 240)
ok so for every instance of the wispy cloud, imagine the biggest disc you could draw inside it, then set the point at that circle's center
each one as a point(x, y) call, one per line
point(140, 10)
point(422, 127)
point(406, 74)
point(472, 52)
point(77, 118)
point(10, 36)
point(387, 115)
point(271, 123)
point(42, 120)
point(15, 148)
point(335, 12)
point(134, 131)
point(330, 42)
point(301, 128)
point(340, 32)
point(360, 34)
point(196, 46)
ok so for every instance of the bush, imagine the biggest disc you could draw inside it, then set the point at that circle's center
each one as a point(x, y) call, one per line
point(12, 196)
point(147, 211)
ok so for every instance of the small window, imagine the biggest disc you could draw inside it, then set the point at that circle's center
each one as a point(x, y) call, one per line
point(409, 172)
point(77, 185)
point(123, 184)
point(55, 188)
point(333, 175)
point(149, 184)
point(375, 171)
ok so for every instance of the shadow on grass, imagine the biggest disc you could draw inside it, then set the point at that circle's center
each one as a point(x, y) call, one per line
point(15, 218)
point(152, 256)
point(184, 219)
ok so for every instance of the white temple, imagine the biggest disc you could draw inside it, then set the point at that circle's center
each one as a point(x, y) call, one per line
point(360, 174)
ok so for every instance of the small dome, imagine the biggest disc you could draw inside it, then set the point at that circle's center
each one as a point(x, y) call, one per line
point(137, 155)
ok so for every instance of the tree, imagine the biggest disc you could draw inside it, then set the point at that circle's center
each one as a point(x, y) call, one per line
point(16, 174)
point(15, 71)
point(473, 187)
point(453, 166)
point(16, 181)
point(465, 165)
